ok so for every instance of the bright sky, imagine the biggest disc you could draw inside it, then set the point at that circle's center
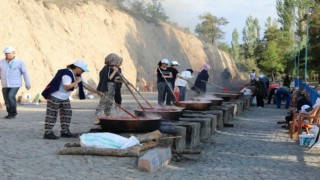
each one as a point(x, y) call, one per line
point(186, 12)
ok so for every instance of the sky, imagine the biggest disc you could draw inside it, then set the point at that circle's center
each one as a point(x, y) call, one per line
point(186, 12)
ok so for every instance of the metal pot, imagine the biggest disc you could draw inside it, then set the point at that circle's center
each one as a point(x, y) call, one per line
point(195, 105)
point(215, 101)
point(164, 113)
point(129, 124)
point(227, 95)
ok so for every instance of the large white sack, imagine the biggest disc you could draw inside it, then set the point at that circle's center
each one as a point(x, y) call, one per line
point(107, 140)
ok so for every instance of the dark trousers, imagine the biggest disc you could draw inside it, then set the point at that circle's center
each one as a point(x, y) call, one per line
point(271, 94)
point(9, 96)
point(285, 94)
point(163, 88)
point(260, 101)
point(182, 90)
point(117, 93)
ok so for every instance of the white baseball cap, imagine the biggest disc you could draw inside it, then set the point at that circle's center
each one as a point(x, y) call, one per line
point(175, 63)
point(8, 49)
point(165, 61)
point(81, 64)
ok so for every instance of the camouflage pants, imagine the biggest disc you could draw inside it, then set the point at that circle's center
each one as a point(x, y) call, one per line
point(104, 106)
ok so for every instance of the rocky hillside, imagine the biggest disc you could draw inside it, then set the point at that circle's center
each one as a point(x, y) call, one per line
point(48, 35)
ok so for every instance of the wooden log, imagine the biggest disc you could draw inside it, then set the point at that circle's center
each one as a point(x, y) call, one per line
point(190, 151)
point(99, 151)
point(72, 145)
point(145, 146)
point(155, 135)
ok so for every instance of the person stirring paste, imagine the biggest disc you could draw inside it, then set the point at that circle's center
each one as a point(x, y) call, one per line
point(107, 78)
point(163, 84)
point(57, 94)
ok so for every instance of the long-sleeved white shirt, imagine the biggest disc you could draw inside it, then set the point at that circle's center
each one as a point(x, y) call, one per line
point(182, 82)
point(11, 72)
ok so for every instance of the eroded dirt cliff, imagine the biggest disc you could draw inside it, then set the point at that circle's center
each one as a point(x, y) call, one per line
point(49, 34)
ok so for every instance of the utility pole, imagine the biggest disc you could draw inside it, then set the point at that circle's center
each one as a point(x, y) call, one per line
point(307, 37)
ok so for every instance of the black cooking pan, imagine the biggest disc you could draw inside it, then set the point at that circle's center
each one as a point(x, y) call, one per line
point(195, 105)
point(129, 124)
point(215, 101)
point(228, 95)
point(164, 113)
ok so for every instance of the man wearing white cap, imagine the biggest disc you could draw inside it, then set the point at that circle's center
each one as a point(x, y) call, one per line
point(175, 75)
point(11, 70)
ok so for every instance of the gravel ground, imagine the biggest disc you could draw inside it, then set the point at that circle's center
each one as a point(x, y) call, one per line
point(255, 148)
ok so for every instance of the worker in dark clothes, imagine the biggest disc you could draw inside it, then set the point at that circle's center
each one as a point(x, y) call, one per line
point(286, 81)
point(201, 80)
point(163, 83)
point(260, 92)
point(285, 92)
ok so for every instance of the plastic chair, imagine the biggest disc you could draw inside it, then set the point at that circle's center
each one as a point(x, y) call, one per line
point(298, 122)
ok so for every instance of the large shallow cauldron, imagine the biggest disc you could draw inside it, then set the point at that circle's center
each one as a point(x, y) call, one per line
point(129, 124)
point(195, 105)
point(215, 101)
point(227, 96)
point(164, 113)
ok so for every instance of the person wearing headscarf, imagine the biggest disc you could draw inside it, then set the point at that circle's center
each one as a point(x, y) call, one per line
point(202, 79)
point(108, 78)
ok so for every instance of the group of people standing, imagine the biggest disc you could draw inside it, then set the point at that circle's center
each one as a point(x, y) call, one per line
point(262, 90)
point(58, 91)
point(66, 80)
point(168, 77)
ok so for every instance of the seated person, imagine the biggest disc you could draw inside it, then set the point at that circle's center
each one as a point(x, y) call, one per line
point(302, 100)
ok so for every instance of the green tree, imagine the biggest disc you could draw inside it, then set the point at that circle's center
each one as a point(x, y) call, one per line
point(209, 28)
point(156, 11)
point(235, 46)
point(271, 59)
point(251, 36)
point(301, 6)
point(138, 8)
point(224, 47)
point(286, 13)
point(314, 40)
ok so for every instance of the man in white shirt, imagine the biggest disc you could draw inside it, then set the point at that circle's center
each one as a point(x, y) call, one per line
point(183, 84)
point(253, 75)
point(11, 70)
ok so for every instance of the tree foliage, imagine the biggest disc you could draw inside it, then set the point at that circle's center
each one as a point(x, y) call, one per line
point(235, 48)
point(251, 36)
point(156, 11)
point(314, 39)
point(209, 28)
point(286, 13)
point(151, 12)
point(271, 60)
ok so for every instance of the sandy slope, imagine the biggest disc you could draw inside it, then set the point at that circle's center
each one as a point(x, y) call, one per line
point(48, 36)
